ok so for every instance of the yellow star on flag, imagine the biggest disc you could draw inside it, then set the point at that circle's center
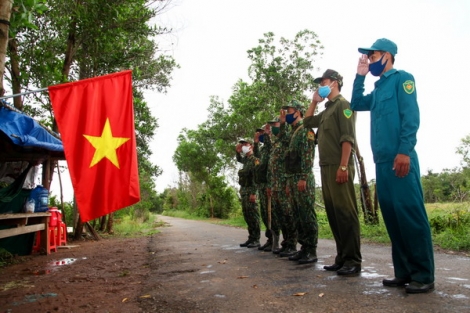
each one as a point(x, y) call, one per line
point(105, 145)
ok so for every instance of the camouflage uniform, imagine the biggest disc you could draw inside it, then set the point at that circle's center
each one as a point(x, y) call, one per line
point(261, 178)
point(299, 166)
point(247, 188)
point(282, 210)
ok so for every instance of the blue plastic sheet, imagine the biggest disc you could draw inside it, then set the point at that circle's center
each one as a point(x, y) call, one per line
point(26, 132)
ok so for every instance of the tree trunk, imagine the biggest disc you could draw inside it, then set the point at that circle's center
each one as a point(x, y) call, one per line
point(15, 72)
point(103, 223)
point(212, 206)
point(110, 224)
point(78, 230)
point(5, 13)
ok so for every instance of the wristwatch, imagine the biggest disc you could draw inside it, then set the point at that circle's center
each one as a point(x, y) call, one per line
point(343, 168)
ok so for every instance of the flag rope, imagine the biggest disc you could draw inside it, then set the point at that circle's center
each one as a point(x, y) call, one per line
point(23, 93)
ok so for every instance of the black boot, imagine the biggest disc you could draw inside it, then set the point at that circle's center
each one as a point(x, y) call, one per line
point(267, 244)
point(288, 252)
point(246, 243)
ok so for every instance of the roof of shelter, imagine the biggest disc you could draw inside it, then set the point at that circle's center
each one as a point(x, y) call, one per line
point(23, 139)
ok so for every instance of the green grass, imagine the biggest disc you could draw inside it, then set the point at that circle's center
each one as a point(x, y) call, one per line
point(450, 225)
point(126, 227)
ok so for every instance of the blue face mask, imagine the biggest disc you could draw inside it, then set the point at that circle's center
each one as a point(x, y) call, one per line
point(324, 91)
point(290, 118)
point(377, 68)
point(261, 138)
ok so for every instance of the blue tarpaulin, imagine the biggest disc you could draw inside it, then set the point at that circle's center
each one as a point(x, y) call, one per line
point(26, 132)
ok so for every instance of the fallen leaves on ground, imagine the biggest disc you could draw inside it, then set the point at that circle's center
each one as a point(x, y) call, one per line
point(241, 277)
point(300, 294)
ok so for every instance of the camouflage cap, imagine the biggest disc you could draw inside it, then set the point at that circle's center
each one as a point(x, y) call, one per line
point(274, 120)
point(243, 140)
point(296, 105)
point(260, 129)
point(331, 74)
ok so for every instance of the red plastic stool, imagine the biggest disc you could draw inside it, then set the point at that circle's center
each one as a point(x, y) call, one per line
point(62, 234)
point(52, 240)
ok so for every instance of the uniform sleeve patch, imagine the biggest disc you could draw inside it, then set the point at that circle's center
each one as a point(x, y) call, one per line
point(256, 162)
point(348, 113)
point(311, 135)
point(409, 86)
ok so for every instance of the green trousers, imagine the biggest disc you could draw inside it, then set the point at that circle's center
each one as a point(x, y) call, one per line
point(341, 210)
point(302, 204)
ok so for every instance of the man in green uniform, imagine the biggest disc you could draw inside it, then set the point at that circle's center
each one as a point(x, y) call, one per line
point(394, 124)
point(248, 192)
point(262, 154)
point(336, 137)
point(300, 183)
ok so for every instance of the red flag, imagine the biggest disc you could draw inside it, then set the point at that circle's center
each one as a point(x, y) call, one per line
point(96, 120)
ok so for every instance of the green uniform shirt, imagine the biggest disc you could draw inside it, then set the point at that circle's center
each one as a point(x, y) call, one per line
point(276, 166)
point(248, 165)
point(302, 141)
point(336, 124)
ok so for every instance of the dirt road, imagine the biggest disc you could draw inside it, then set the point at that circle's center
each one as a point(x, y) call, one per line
point(199, 267)
point(195, 266)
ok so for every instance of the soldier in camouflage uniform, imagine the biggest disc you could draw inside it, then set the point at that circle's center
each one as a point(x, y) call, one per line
point(248, 192)
point(261, 153)
point(301, 183)
point(281, 210)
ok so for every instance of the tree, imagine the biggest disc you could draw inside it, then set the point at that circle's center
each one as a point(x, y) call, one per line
point(464, 151)
point(76, 39)
point(278, 75)
point(5, 12)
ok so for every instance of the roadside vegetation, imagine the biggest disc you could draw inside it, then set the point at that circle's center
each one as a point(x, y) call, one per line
point(450, 225)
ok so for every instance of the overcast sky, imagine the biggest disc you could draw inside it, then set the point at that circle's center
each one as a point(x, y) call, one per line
point(211, 38)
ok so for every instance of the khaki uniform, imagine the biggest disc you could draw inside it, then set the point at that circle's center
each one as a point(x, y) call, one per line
point(336, 124)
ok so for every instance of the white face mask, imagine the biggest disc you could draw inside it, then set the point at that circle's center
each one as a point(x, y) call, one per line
point(246, 149)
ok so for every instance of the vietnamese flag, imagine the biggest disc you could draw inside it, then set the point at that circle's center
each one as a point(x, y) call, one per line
point(96, 120)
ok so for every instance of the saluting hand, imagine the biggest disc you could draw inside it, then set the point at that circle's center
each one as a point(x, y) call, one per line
point(282, 116)
point(316, 97)
point(401, 165)
point(363, 66)
point(256, 138)
point(238, 148)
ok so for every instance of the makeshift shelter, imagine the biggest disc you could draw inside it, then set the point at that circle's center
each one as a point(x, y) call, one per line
point(24, 143)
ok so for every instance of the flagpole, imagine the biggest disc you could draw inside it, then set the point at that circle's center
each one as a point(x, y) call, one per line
point(23, 93)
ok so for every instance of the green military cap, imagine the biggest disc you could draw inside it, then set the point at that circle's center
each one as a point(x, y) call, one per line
point(331, 74)
point(382, 44)
point(296, 105)
point(260, 129)
point(243, 140)
point(274, 121)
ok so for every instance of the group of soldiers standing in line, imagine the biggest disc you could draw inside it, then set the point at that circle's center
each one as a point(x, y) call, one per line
point(280, 173)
